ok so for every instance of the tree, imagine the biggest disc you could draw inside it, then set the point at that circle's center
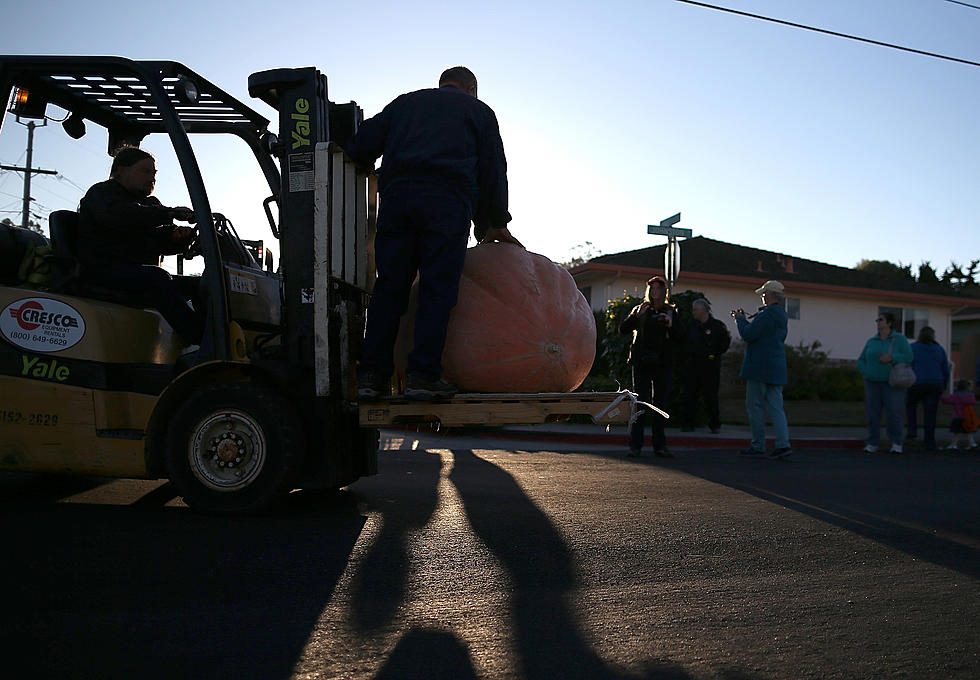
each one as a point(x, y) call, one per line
point(886, 269)
point(963, 279)
point(581, 254)
point(928, 275)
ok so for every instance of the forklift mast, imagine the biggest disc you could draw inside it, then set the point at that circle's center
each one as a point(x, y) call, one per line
point(322, 228)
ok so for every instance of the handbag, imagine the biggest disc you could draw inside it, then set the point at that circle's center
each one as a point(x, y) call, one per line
point(902, 376)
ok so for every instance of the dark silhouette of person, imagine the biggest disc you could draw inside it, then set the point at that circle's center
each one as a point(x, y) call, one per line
point(443, 167)
point(123, 231)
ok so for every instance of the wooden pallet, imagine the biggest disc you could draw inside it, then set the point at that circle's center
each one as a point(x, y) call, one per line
point(497, 409)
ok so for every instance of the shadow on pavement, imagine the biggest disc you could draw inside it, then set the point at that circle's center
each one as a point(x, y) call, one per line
point(424, 653)
point(532, 551)
point(913, 503)
point(408, 499)
point(128, 592)
point(20, 488)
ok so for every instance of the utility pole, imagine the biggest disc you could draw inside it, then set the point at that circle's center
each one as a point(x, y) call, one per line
point(28, 170)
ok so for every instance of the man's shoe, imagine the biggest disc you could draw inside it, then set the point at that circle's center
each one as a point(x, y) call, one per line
point(781, 452)
point(372, 386)
point(633, 453)
point(896, 448)
point(871, 448)
point(418, 388)
point(663, 453)
point(752, 452)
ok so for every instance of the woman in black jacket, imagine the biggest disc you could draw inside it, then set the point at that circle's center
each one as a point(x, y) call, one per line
point(653, 324)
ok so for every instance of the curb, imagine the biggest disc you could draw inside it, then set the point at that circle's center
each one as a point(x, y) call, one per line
point(619, 440)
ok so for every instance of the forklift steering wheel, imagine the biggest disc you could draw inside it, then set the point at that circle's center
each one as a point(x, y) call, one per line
point(194, 249)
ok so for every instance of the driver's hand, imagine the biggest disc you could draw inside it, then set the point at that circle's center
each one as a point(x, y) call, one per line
point(182, 214)
point(182, 234)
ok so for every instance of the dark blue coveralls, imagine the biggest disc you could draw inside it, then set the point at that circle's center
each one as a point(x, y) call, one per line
point(443, 167)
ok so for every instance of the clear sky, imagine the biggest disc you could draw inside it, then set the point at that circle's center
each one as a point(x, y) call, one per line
point(614, 114)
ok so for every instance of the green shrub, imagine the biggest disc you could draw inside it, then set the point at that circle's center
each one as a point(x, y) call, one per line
point(615, 346)
point(841, 383)
point(804, 364)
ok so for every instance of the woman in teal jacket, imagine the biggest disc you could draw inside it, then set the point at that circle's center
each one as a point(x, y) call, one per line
point(881, 352)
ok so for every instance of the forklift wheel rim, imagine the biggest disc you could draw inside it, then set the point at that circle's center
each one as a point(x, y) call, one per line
point(228, 451)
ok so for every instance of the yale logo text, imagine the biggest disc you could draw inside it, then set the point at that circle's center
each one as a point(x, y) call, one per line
point(49, 370)
point(301, 131)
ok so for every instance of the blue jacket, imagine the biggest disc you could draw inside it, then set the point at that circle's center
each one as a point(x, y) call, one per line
point(875, 371)
point(765, 351)
point(930, 364)
point(444, 136)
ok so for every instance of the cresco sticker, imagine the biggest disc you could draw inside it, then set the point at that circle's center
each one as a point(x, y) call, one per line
point(41, 324)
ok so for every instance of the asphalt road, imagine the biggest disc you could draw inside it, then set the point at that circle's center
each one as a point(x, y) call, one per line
point(462, 561)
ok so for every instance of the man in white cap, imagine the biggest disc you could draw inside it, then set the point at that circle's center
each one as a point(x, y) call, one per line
point(764, 369)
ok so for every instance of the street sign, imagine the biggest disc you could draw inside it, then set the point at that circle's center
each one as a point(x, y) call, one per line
point(671, 221)
point(669, 232)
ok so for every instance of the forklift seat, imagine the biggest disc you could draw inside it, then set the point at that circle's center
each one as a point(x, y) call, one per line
point(63, 227)
point(66, 269)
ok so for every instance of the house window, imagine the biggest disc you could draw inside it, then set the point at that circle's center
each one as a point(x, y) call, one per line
point(587, 292)
point(913, 320)
point(909, 320)
point(793, 308)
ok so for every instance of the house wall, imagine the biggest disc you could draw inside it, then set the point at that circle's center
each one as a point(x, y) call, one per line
point(966, 343)
point(842, 325)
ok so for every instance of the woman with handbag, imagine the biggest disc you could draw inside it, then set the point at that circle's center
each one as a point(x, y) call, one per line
point(885, 364)
point(653, 324)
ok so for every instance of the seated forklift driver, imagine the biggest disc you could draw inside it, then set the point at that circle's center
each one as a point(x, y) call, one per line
point(123, 231)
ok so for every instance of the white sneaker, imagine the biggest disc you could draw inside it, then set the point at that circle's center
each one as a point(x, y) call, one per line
point(949, 447)
point(896, 448)
point(870, 449)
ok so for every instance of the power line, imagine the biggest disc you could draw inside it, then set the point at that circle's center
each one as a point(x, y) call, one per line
point(62, 178)
point(965, 4)
point(834, 33)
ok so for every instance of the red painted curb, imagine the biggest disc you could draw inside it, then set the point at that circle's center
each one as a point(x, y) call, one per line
point(620, 440)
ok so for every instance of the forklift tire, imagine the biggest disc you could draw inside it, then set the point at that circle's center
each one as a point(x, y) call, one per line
point(234, 448)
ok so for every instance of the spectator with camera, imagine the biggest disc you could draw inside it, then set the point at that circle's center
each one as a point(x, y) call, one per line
point(764, 368)
point(651, 356)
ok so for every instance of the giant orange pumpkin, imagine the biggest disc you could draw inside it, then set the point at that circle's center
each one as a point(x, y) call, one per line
point(520, 325)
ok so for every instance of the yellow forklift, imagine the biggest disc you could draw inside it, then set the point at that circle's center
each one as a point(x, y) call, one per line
point(92, 385)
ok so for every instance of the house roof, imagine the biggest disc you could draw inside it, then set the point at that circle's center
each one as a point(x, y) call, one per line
point(719, 259)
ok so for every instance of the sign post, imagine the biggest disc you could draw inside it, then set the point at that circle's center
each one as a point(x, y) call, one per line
point(672, 253)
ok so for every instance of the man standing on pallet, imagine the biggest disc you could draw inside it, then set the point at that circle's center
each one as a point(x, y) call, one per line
point(443, 167)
